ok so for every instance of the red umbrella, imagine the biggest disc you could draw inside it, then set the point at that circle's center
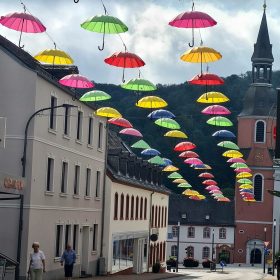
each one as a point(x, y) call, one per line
point(76, 81)
point(124, 59)
point(209, 182)
point(194, 197)
point(189, 154)
point(120, 122)
point(184, 146)
point(207, 79)
point(131, 131)
point(206, 175)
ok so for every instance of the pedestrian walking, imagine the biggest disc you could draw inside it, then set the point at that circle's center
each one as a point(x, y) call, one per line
point(277, 265)
point(37, 263)
point(69, 258)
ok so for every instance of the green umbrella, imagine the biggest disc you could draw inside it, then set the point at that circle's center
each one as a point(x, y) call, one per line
point(175, 175)
point(168, 123)
point(217, 194)
point(156, 160)
point(104, 24)
point(220, 121)
point(141, 144)
point(139, 84)
point(95, 95)
point(239, 165)
point(245, 181)
point(184, 185)
point(228, 145)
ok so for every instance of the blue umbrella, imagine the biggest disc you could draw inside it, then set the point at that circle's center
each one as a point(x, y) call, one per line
point(204, 200)
point(150, 152)
point(160, 114)
point(167, 162)
point(246, 190)
point(224, 133)
point(199, 166)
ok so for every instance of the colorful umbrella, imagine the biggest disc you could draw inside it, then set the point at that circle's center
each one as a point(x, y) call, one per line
point(161, 114)
point(216, 191)
point(242, 170)
point(175, 175)
point(150, 152)
point(141, 144)
point(220, 121)
point(209, 182)
point(120, 122)
point(76, 81)
point(95, 95)
point(239, 165)
point(184, 185)
point(212, 187)
point(156, 160)
point(207, 166)
point(246, 190)
point(54, 56)
point(104, 24)
point(184, 146)
point(166, 162)
point(217, 195)
point(201, 196)
point(216, 110)
point(207, 79)
point(168, 123)
point(125, 60)
point(244, 175)
point(206, 175)
point(224, 199)
point(151, 102)
point(224, 133)
point(190, 192)
point(193, 161)
point(131, 131)
point(199, 166)
point(176, 134)
point(212, 97)
point(180, 181)
point(138, 84)
point(249, 200)
point(194, 197)
point(245, 181)
point(228, 145)
point(236, 160)
point(170, 168)
point(232, 153)
point(108, 112)
point(188, 154)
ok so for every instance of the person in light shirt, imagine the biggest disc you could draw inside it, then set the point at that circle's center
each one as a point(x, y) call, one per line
point(37, 263)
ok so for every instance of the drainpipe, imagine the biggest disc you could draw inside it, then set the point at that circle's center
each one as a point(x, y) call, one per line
point(150, 223)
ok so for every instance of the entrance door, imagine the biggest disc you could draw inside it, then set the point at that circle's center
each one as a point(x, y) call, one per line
point(140, 255)
point(256, 256)
point(85, 249)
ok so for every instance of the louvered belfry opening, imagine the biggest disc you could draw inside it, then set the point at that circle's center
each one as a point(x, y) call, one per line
point(258, 187)
point(260, 132)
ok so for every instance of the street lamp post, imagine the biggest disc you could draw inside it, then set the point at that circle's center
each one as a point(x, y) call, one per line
point(178, 242)
point(23, 159)
point(213, 245)
point(254, 254)
point(264, 251)
point(273, 256)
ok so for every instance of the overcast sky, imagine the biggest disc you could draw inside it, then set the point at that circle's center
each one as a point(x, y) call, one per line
point(149, 35)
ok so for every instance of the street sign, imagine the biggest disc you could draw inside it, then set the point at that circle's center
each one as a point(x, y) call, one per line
point(266, 243)
point(170, 236)
point(222, 263)
point(265, 249)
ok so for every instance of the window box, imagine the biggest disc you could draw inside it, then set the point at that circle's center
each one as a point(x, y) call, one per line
point(207, 263)
point(191, 262)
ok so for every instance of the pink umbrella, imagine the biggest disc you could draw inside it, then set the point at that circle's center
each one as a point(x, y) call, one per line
point(194, 197)
point(205, 175)
point(234, 160)
point(216, 110)
point(76, 81)
point(216, 191)
point(209, 182)
point(242, 170)
point(189, 154)
point(224, 199)
point(131, 131)
point(211, 188)
point(193, 161)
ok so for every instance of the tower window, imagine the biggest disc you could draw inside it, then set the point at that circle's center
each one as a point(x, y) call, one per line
point(260, 132)
point(258, 187)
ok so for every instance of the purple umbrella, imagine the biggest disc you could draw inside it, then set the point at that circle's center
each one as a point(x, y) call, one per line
point(216, 110)
point(131, 131)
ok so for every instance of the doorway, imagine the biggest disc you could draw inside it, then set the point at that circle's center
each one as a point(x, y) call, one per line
point(256, 256)
point(85, 250)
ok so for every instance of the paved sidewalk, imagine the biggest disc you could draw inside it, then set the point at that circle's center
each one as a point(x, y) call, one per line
point(270, 278)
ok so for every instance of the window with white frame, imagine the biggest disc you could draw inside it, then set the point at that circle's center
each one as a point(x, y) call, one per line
point(88, 179)
point(67, 115)
point(100, 135)
point(191, 232)
point(64, 177)
point(77, 179)
point(50, 174)
point(75, 238)
point(258, 187)
point(175, 231)
point(95, 237)
point(90, 131)
point(260, 128)
point(206, 252)
point(53, 113)
point(67, 236)
point(98, 182)
point(80, 125)
point(174, 251)
point(222, 233)
point(206, 233)
point(58, 240)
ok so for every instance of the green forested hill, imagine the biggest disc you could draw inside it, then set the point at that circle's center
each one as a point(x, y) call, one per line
point(181, 101)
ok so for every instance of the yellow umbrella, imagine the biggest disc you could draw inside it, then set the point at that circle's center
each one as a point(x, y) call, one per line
point(151, 102)
point(176, 133)
point(201, 54)
point(190, 192)
point(208, 166)
point(244, 175)
point(232, 153)
point(170, 168)
point(108, 112)
point(54, 56)
point(201, 196)
point(246, 186)
point(180, 181)
point(249, 200)
point(212, 97)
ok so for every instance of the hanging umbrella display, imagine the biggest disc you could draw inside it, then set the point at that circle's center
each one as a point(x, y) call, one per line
point(184, 146)
point(156, 160)
point(194, 197)
point(212, 187)
point(141, 144)
point(228, 145)
point(236, 160)
point(108, 112)
point(120, 122)
point(180, 181)
point(175, 175)
point(216, 191)
point(190, 192)
point(166, 162)
point(249, 200)
point(132, 132)
point(224, 133)
point(244, 175)
point(224, 199)
point(199, 166)
point(245, 181)
point(207, 166)
point(138, 84)
point(205, 175)
point(150, 152)
point(193, 161)
point(201, 196)
point(239, 165)
point(242, 170)
point(95, 95)
point(217, 195)
point(207, 79)
point(246, 186)
point(216, 110)
point(184, 185)
point(151, 102)
point(168, 123)
point(76, 81)
point(161, 114)
point(188, 154)
point(176, 134)
point(212, 97)
point(209, 182)
point(220, 121)
point(22, 22)
point(104, 24)
point(232, 153)
point(170, 168)
point(54, 56)
point(125, 60)
point(246, 190)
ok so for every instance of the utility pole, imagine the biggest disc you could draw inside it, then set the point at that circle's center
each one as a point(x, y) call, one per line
point(264, 251)
point(178, 243)
point(213, 246)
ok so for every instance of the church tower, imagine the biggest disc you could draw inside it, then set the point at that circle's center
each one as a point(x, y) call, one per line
point(256, 144)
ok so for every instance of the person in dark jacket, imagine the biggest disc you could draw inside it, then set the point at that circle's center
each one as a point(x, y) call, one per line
point(277, 265)
point(69, 258)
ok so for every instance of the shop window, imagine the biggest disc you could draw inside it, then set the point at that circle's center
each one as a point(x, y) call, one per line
point(67, 236)
point(75, 238)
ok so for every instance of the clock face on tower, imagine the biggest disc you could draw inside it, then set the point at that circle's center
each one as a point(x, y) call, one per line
point(259, 157)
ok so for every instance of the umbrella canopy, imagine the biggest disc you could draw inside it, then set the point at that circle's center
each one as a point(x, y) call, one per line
point(212, 187)
point(220, 121)
point(193, 161)
point(194, 197)
point(141, 144)
point(199, 166)
point(236, 159)
point(232, 153)
point(161, 114)
point(245, 181)
point(156, 160)
point(201, 55)
point(215, 191)
point(176, 134)
point(132, 132)
point(212, 97)
point(228, 145)
point(209, 182)
point(190, 192)
point(175, 175)
point(249, 200)
point(180, 181)
point(201, 196)
point(76, 81)
point(166, 162)
point(208, 166)
point(246, 190)
point(206, 79)
point(150, 152)
point(224, 133)
point(216, 110)
point(239, 165)
point(184, 146)
point(217, 195)
point(224, 199)
point(184, 185)
point(54, 56)
point(168, 123)
point(120, 122)
point(244, 175)
point(108, 112)
point(139, 84)
point(170, 168)
point(188, 154)
point(205, 175)
point(151, 102)
point(95, 95)
point(242, 170)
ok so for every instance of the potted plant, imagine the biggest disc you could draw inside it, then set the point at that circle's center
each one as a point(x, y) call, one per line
point(171, 261)
point(156, 267)
point(207, 263)
point(191, 262)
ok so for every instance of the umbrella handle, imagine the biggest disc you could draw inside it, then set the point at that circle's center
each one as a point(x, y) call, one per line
point(123, 80)
point(101, 49)
point(76, 1)
point(21, 33)
point(191, 45)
